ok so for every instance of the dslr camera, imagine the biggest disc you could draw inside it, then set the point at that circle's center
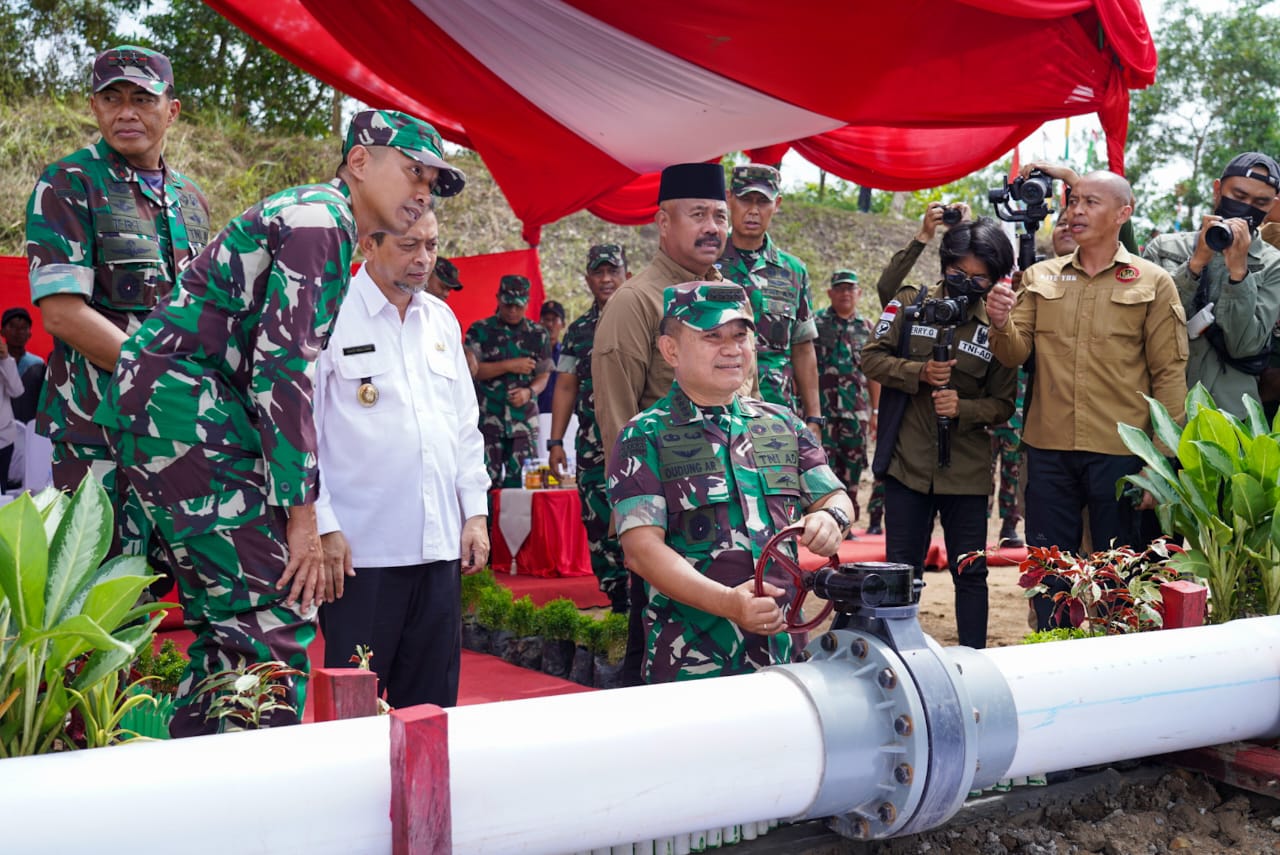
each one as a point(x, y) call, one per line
point(951, 214)
point(943, 311)
point(1032, 191)
point(1218, 237)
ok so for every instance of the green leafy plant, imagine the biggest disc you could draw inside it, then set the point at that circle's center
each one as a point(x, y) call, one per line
point(587, 633)
point(611, 643)
point(244, 696)
point(68, 622)
point(493, 607)
point(1114, 591)
point(164, 668)
point(558, 620)
point(522, 620)
point(473, 588)
point(1058, 633)
point(1224, 499)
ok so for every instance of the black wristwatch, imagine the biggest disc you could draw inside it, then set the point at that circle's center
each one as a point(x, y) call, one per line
point(555, 443)
point(841, 518)
point(820, 421)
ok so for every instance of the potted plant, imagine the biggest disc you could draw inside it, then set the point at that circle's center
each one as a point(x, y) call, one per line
point(491, 619)
point(156, 676)
point(244, 698)
point(611, 648)
point(1224, 499)
point(474, 586)
point(525, 649)
point(558, 626)
point(586, 635)
point(68, 622)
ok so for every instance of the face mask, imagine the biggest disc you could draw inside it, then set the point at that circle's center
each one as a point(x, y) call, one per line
point(961, 286)
point(1229, 208)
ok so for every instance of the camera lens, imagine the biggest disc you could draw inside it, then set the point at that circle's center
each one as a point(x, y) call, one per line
point(1218, 237)
point(951, 215)
point(1033, 191)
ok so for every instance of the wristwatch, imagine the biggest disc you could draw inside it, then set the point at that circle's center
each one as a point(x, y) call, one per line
point(841, 518)
point(555, 443)
point(820, 421)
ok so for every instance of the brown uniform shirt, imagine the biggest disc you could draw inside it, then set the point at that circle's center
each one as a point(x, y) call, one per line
point(985, 387)
point(628, 373)
point(1101, 343)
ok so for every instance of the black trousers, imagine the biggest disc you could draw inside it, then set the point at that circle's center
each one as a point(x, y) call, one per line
point(1064, 485)
point(908, 519)
point(411, 617)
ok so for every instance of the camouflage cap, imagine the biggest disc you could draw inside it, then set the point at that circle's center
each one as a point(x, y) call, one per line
point(132, 64)
point(513, 290)
point(412, 137)
point(447, 272)
point(706, 305)
point(606, 253)
point(755, 178)
point(844, 276)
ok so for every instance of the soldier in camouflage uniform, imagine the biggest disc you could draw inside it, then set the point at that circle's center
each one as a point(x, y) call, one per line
point(606, 270)
point(848, 398)
point(778, 286)
point(699, 483)
point(514, 363)
point(209, 412)
point(444, 279)
point(1006, 442)
point(109, 228)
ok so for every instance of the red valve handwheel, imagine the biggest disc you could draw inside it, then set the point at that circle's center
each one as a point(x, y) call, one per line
point(799, 576)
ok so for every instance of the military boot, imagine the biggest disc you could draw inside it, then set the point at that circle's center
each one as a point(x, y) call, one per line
point(1009, 533)
point(875, 527)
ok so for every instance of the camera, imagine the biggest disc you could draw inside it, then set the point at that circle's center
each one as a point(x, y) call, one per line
point(1032, 191)
point(943, 311)
point(951, 214)
point(1218, 237)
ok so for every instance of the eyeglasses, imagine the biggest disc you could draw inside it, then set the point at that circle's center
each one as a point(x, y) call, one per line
point(959, 278)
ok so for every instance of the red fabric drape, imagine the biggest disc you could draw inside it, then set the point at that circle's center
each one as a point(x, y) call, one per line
point(480, 274)
point(895, 74)
point(15, 290)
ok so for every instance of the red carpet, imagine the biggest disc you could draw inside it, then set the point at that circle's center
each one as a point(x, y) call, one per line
point(870, 547)
point(583, 590)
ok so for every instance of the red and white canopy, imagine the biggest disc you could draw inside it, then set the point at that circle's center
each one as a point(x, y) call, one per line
point(577, 103)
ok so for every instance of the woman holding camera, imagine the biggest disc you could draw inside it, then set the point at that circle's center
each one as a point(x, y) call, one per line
point(941, 391)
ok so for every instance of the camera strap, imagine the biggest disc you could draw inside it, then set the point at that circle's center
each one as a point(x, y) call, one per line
point(893, 402)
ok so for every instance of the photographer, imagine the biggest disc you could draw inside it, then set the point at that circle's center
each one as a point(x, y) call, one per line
point(1106, 326)
point(895, 272)
point(949, 401)
point(1228, 277)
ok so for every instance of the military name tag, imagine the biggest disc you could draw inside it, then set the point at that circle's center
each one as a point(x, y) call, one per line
point(926, 332)
point(367, 394)
point(358, 349)
point(974, 350)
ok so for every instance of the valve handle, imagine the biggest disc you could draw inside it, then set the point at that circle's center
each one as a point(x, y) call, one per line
point(802, 578)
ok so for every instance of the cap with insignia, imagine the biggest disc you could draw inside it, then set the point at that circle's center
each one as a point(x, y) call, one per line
point(706, 305)
point(755, 178)
point(447, 272)
point(606, 253)
point(513, 290)
point(691, 181)
point(412, 137)
point(844, 276)
point(132, 64)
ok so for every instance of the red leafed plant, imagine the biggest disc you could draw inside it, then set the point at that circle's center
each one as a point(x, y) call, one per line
point(1116, 591)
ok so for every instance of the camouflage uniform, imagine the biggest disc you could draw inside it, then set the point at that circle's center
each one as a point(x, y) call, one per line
point(575, 358)
point(96, 229)
point(209, 415)
point(846, 403)
point(777, 284)
point(1006, 440)
point(509, 431)
point(720, 481)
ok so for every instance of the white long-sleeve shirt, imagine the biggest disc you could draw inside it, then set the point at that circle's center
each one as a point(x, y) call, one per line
point(401, 476)
point(10, 388)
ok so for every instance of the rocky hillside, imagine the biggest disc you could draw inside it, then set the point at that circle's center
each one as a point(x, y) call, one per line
point(237, 166)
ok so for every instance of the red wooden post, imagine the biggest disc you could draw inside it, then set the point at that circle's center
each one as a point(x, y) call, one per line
point(344, 693)
point(1184, 604)
point(421, 811)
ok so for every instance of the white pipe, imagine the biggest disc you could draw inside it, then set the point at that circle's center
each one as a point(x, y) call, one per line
point(570, 773)
point(1099, 700)
point(316, 788)
point(573, 772)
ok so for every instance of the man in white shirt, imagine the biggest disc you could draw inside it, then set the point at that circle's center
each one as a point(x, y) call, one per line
point(403, 482)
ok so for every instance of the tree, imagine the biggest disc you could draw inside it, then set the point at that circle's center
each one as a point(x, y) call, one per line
point(1215, 96)
point(48, 46)
point(221, 71)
